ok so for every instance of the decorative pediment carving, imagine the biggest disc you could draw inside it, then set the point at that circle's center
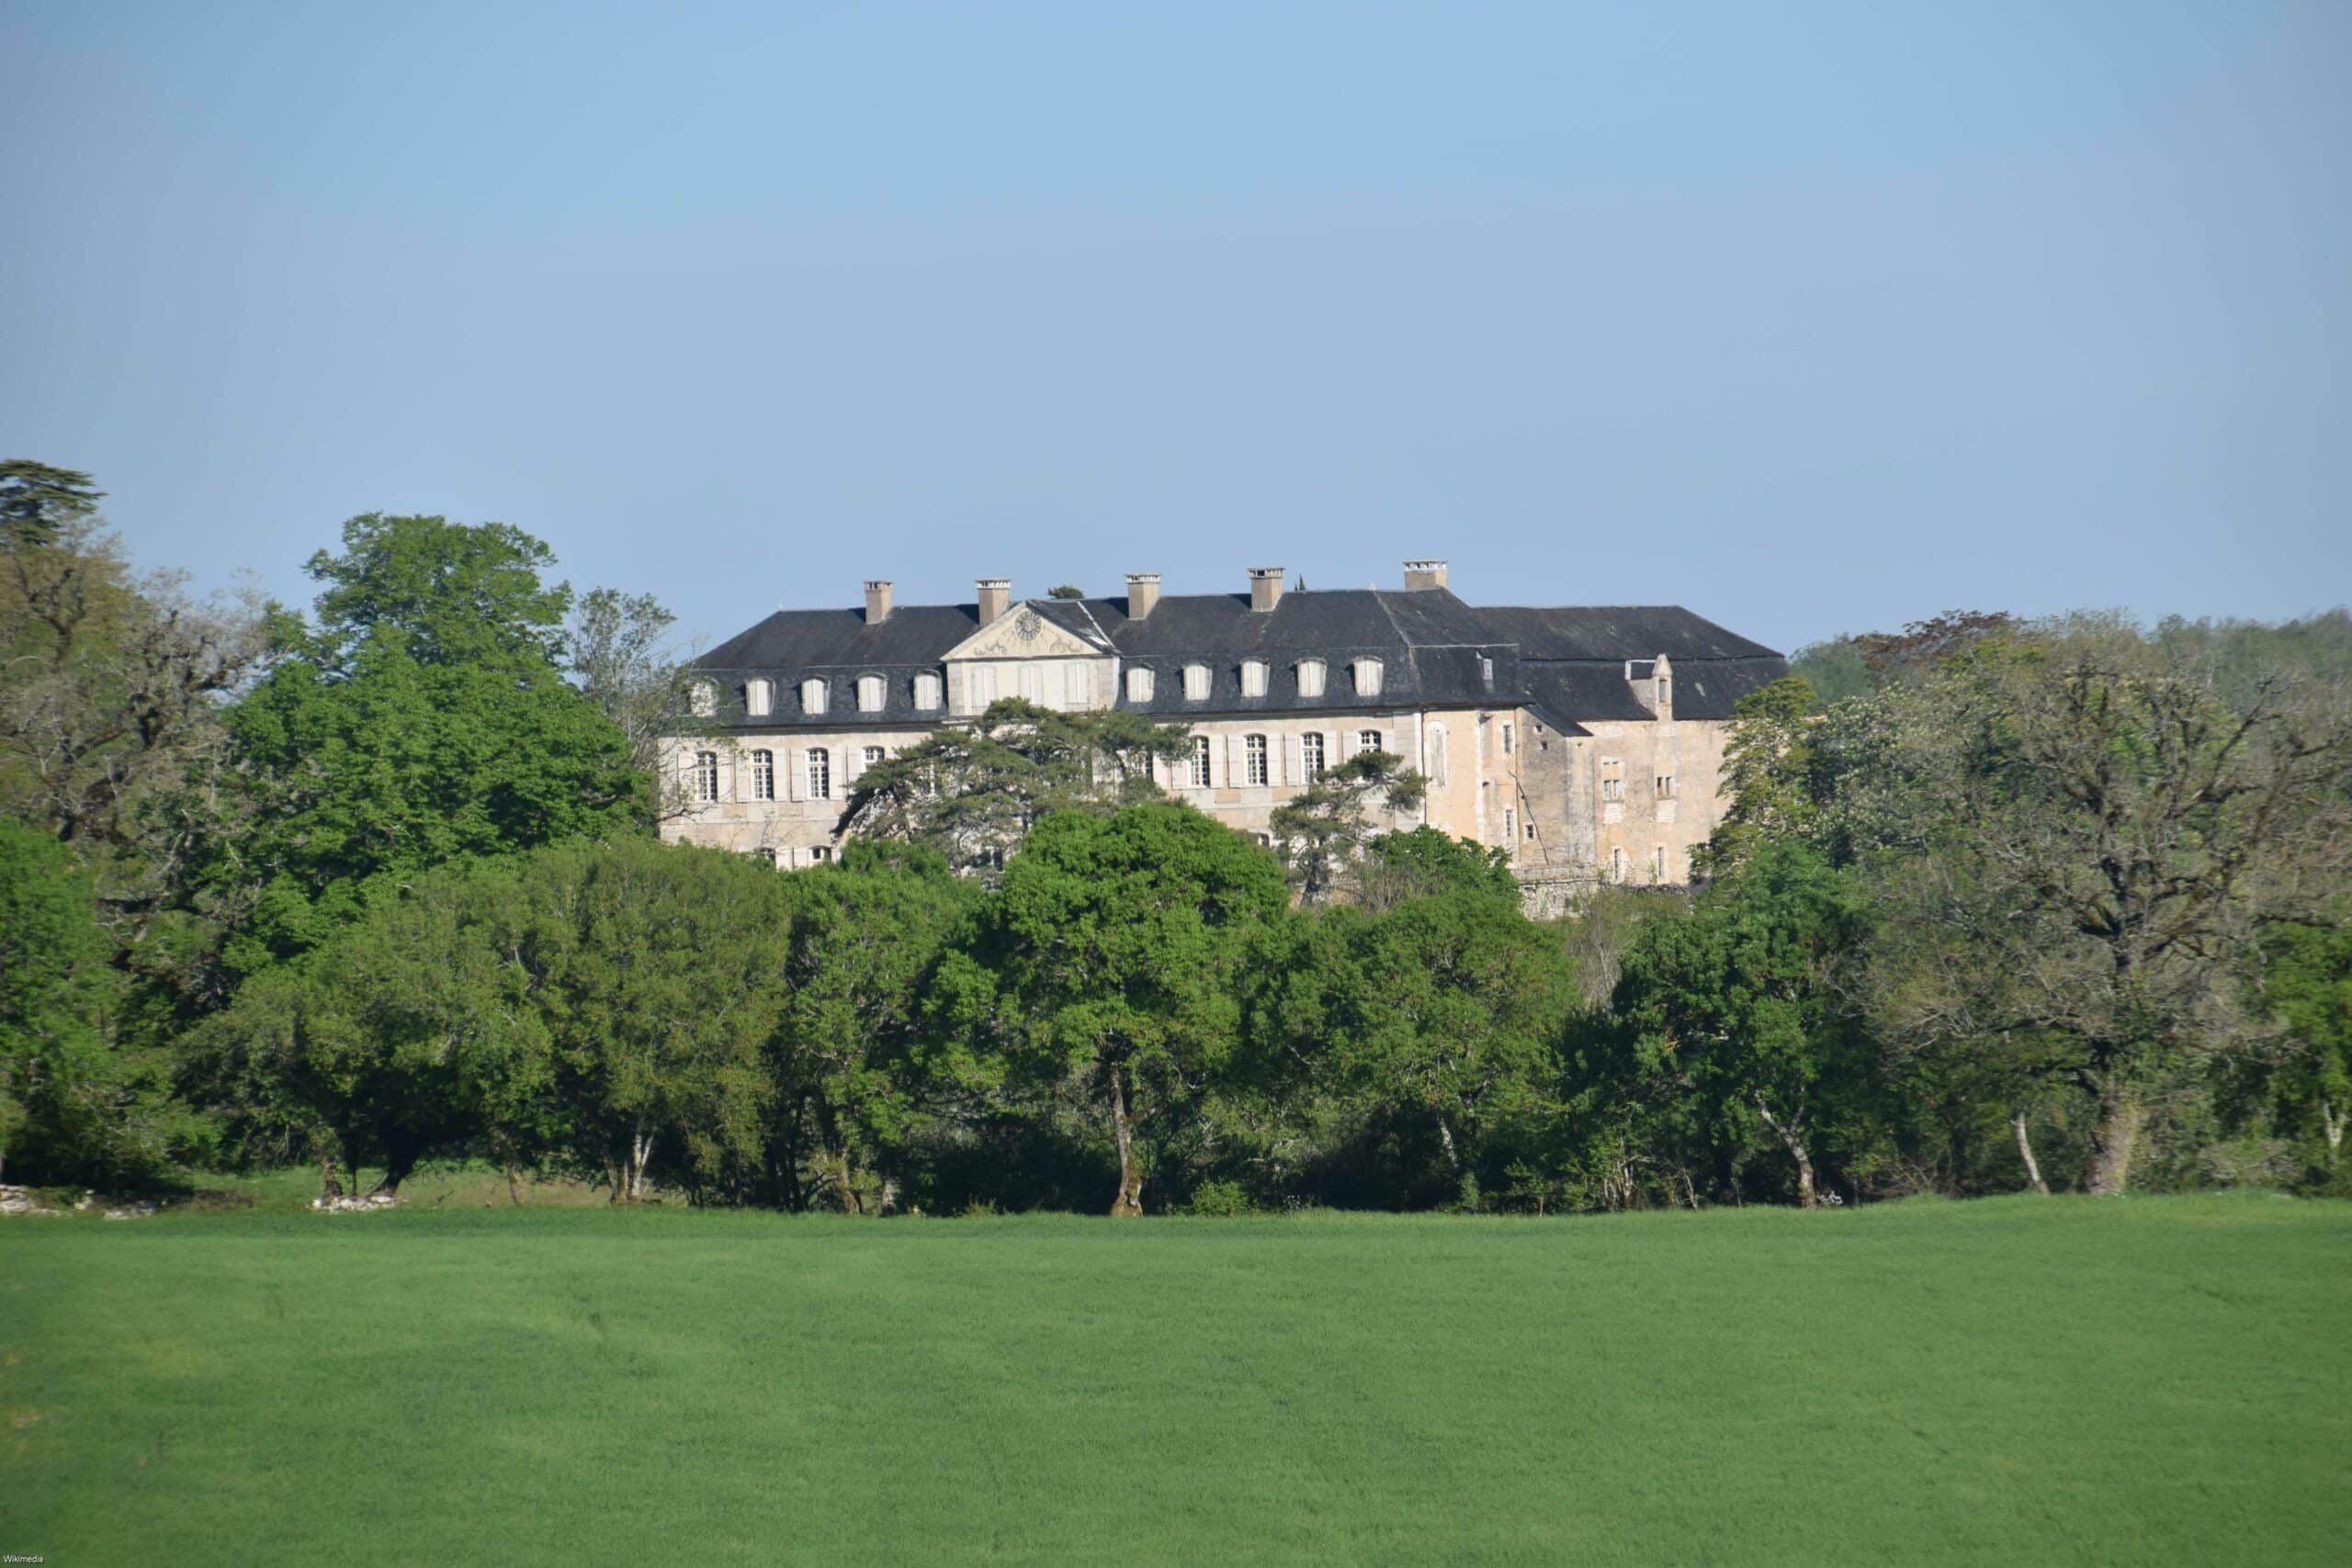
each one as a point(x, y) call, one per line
point(1022, 633)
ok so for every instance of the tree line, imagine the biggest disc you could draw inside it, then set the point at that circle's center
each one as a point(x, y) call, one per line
point(1995, 906)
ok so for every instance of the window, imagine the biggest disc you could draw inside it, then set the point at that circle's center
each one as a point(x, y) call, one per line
point(759, 696)
point(705, 780)
point(1530, 830)
point(1369, 740)
point(1612, 778)
point(1367, 677)
point(702, 699)
point(819, 853)
point(766, 856)
point(1665, 691)
point(1199, 772)
point(869, 694)
point(1032, 684)
point(821, 775)
point(927, 693)
point(1658, 864)
point(1253, 759)
point(1310, 677)
point(1434, 760)
point(1665, 784)
point(1486, 672)
point(1617, 865)
point(1510, 823)
point(874, 754)
point(812, 697)
point(1506, 738)
point(1254, 677)
point(763, 775)
point(1139, 685)
point(1310, 758)
point(1197, 683)
point(979, 685)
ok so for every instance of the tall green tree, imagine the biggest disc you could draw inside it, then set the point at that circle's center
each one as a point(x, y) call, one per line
point(1770, 774)
point(1320, 833)
point(2307, 986)
point(1110, 967)
point(425, 717)
point(38, 503)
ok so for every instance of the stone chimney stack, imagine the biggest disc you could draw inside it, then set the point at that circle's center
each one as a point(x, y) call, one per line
point(1265, 587)
point(878, 602)
point(1143, 593)
point(1424, 574)
point(996, 592)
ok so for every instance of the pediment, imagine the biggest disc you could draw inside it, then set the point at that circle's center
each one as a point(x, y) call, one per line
point(1022, 633)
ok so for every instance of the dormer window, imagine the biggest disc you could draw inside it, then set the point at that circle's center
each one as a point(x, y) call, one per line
point(1139, 684)
point(1310, 677)
point(702, 700)
point(812, 697)
point(870, 693)
point(1197, 683)
point(1367, 675)
point(1254, 677)
point(1486, 672)
point(759, 696)
point(927, 693)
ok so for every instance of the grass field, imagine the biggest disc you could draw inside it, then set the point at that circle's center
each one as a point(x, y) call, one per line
point(2014, 1381)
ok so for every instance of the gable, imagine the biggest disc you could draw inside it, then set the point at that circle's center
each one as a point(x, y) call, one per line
point(1023, 633)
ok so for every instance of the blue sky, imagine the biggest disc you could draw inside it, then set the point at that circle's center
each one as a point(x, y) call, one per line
point(1813, 317)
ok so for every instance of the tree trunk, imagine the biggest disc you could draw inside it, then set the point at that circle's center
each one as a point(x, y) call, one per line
point(640, 1155)
point(2025, 1153)
point(1445, 1137)
point(2332, 1124)
point(514, 1184)
point(1808, 1197)
point(1130, 1202)
point(2114, 1137)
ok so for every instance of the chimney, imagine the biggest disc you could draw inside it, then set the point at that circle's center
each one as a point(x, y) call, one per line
point(1265, 587)
point(1143, 593)
point(878, 602)
point(996, 592)
point(1421, 574)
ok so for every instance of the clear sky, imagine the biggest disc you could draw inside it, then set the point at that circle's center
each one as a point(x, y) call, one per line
point(1810, 316)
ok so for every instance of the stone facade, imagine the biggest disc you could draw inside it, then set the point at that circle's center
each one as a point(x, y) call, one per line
point(1586, 755)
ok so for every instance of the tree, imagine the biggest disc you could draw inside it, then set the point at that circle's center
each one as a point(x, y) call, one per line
point(2306, 985)
point(53, 988)
point(1110, 965)
point(1769, 774)
point(972, 793)
point(2074, 843)
point(1320, 833)
point(40, 504)
point(1731, 1002)
point(622, 660)
point(1066, 590)
point(423, 720)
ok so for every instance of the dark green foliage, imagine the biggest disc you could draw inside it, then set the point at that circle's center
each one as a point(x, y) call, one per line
point(1320, 833)
point(40, 503)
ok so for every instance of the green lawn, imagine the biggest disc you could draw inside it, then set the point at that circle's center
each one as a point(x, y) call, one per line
point(2014, 1381)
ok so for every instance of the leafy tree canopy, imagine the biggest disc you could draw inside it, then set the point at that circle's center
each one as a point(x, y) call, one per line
point(40, 503)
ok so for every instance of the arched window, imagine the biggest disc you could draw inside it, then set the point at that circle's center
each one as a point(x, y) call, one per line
point(821, 775)
point(1253, 759)
point(1310, 757)
point(763, 775)
point(1665, 691)
point(706, 779)
point(1369, 740)
point(1197, 683)
point(1434, 763)
point(1367, 673)
point(1139, 685)
point(702, 700)
point(1310, 677)
point(1199, 772)
point(1254, 677)
point(759, 696)
point(869, 694)
point(812, 697)
point(927, 693)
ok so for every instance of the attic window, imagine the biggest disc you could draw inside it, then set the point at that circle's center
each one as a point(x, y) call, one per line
point(1197, 683)
point(1310, 677)
point(702, 700)
point(1367, 673)
point(869, 694)
point(927, 693)
point(1139, 685)
point(812, 697)
point(759, 696)
point(1254, 677)
point(1486, 672)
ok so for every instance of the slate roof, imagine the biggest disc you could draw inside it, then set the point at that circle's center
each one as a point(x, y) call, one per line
point(1567, 664)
